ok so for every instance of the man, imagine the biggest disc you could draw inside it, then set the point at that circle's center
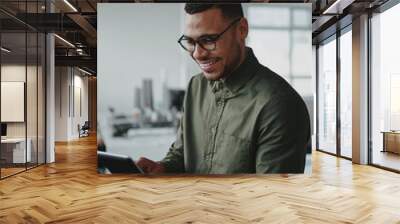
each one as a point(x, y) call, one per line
point(239, 116)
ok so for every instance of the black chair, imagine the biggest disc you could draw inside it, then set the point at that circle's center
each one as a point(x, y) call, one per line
point(84, 130)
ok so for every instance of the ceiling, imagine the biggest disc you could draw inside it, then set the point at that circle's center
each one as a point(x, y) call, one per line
point(76, 22)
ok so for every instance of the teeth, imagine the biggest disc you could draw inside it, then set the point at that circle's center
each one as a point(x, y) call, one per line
point(207, 63)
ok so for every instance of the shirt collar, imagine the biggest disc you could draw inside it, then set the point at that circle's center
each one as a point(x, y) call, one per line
point(239, 77)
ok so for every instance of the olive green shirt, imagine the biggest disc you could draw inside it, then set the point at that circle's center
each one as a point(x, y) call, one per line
point(251, 122)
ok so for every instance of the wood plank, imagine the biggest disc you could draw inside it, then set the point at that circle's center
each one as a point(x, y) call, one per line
point(71, 191)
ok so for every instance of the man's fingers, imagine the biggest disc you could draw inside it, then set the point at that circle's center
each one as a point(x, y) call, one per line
point(149, 166)
point(145, 164)
point(158, 168)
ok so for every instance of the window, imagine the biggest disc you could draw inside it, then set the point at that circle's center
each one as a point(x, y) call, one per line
point(22, 74)
point(327, 96)
point(385, 89)
point(346, 94)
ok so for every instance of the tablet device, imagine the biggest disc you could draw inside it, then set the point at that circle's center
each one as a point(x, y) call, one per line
point(117, 163)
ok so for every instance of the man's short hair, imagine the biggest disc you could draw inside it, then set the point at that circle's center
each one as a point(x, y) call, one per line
point(229, 11)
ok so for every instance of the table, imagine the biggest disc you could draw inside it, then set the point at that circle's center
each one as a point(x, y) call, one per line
point(391, 141)
point(13, 150)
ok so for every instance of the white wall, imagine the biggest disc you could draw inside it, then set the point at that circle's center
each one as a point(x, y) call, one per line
point(15, 72)
point(68, 82)
point(79, 117)
point(33, 126)
point(61, 103)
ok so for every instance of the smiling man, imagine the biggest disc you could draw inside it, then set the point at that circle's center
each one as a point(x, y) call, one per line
point(239, 116)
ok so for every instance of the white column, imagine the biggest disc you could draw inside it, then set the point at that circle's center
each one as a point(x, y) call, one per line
point(360, 90)
point(50, 100)
point(50, 92)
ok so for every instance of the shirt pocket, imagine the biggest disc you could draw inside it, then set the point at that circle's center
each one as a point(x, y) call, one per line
point(234, 154)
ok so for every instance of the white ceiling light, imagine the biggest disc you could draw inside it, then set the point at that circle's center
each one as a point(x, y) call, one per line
point(79, 51)
point(84, 71)
point(70, 5)
point(5, 50)
point(65, 41)
point(338, 6)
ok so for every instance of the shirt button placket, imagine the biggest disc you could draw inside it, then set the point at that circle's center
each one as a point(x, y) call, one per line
point(220, 103)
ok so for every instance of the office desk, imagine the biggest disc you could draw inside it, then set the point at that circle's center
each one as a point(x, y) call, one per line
point(391, 141)
point(13, 150)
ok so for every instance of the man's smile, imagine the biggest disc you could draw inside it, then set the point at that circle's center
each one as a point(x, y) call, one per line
point(208, 65)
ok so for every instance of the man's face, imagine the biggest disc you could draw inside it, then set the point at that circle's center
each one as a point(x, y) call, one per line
point(229, 50)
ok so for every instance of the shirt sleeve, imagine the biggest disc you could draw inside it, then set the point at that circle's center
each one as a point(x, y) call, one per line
point(174, 160)
point(283, 136)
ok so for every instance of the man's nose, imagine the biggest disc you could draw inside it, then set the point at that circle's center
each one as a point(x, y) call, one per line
point(199, 52)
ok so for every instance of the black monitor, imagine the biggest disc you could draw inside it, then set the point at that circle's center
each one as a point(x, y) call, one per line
point(3, 129)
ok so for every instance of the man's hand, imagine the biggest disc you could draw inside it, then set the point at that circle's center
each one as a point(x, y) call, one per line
point(149, 166)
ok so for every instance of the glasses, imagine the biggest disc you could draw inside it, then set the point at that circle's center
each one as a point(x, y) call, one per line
point(207, 42)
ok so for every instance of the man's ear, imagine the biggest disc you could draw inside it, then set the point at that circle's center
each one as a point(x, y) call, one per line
point(243, 28)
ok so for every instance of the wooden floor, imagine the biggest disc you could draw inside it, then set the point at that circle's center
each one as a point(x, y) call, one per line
point(10, 171)
point(5, 172)
point(387, 159)
point(70, 191)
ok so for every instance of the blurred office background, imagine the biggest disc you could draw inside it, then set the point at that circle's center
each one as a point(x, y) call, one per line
point(143, 72)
